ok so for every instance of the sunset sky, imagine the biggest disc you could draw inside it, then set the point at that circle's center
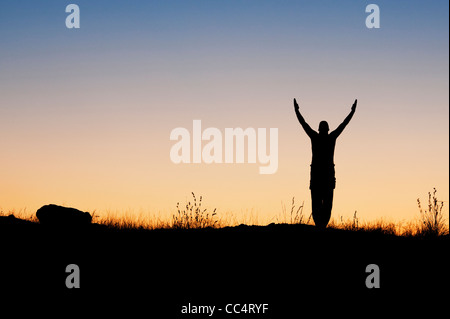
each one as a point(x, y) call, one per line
point(86, 114)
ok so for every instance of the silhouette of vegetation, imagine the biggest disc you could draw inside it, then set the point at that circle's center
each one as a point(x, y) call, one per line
point(295, 215)
point(432, 219)
point(194, 216)
point(350, 225)
point(379, 226)
point(432, 222)
point(129, 221)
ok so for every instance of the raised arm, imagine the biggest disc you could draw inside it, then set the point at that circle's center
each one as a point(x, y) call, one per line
point(341, 127)
point(302, 121)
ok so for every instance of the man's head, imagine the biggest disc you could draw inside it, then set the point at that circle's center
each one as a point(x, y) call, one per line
point(323, 127)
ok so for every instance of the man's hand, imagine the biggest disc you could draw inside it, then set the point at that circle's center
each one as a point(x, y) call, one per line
point(353, 106)
point(296, 105)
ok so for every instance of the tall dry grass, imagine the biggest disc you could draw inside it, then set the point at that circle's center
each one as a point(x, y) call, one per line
point(191, 215)
point(433, 222)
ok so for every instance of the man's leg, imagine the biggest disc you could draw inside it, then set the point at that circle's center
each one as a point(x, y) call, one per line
point(319, 212)
point(316, 204)
point(327, 205)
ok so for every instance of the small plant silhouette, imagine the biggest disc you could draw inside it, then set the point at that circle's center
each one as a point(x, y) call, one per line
point(193, 216)
point(432, 219)
point(295, 216)
point(348, 225)
point(355, 224)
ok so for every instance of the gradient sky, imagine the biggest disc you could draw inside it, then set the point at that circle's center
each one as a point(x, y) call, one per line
point(86, 114)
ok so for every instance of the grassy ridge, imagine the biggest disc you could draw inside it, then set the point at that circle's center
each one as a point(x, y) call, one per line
point(192, 215)
point(286, 265)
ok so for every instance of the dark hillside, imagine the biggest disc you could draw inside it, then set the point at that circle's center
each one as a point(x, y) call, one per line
point(281, 265)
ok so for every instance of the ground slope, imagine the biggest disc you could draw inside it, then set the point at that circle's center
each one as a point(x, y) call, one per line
point(288, 267)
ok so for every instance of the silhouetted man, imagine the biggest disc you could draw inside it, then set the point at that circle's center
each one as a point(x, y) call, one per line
point(322, 181)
